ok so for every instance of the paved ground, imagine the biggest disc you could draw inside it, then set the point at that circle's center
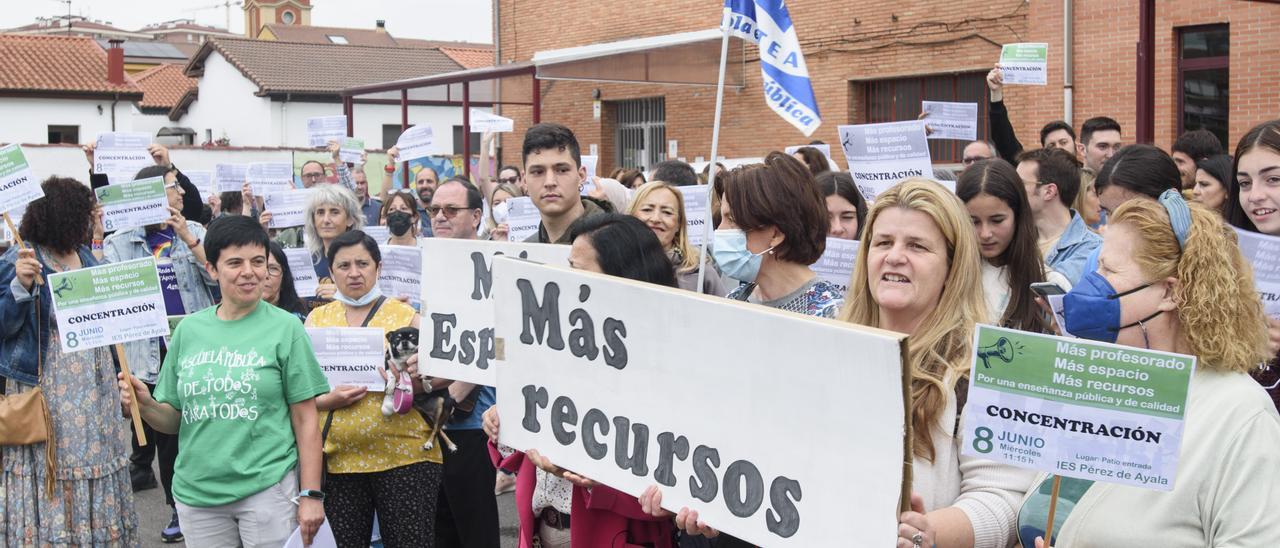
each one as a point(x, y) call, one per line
point(153, 515)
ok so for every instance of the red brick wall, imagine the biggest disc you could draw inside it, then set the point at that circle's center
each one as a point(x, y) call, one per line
point(850, 42)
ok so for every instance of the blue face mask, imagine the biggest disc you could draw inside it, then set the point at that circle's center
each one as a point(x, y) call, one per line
point(735, 260)
point(1092, 309)
point(364, 300)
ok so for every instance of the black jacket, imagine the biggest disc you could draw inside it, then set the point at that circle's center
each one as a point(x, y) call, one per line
point(1007, 145)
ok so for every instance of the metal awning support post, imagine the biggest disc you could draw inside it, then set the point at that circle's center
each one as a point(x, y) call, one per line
point(349, 109)
point(537, 98)
point(404, 126)
point(466, 129)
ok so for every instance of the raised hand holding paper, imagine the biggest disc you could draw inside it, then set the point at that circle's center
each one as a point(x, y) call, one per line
point(350, 355)
point(267, 177)
point(951, 120)
point(108, 304)
point(288, 208)
point(323, 129)
point(351, 150)
point(133, 204)
point(121, 155)
point(18, 186)
point(482, 121)
point(414, 143)
point(523, 218)
point(1074, 408)
point(882, 155)
point(1025, 64)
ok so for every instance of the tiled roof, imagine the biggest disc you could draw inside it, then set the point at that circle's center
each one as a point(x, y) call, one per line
point(470, 57)
point(57, 65)
point(163, 86)
point(320, 35)
point(319, 69)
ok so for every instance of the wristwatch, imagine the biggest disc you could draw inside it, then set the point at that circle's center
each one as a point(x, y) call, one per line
point(312, 494)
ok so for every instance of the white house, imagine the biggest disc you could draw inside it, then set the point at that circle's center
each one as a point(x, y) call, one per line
point(261, 92)
point(63, 89)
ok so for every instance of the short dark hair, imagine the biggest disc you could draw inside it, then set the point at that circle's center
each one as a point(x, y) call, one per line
point(546, 136)
point(780, 193)
point(1198, 144)
point(1055, 126)
point(1057, 166)
point(1095, 124)
point(474, 199)
point(839, 183)
point(352, 238)
point(674, 173)
point(1143, 169)
point(814, 159)
point(153, 171)
point(232, 202)
point(62, 220)
point(626, 248)
point(233, 231)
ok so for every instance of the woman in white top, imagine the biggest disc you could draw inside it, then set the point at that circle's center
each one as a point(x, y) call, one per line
point(1170, 277)
point(918, 273)
point(996, 199)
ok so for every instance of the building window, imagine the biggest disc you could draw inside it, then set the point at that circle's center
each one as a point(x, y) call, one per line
point(1203, 69)
point(337, 39)
point(640, 135)
point(391, 134)
point(899, 100)
point(287, 18)
point(64, 135)
point(457, 141)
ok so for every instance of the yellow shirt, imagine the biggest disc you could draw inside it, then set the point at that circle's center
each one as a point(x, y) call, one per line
point(361, 439)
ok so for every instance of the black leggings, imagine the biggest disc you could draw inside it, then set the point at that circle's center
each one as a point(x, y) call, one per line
point(467, 515)
point(404, 498)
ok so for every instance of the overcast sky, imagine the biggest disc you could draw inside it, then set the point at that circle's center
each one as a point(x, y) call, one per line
point(465, 20)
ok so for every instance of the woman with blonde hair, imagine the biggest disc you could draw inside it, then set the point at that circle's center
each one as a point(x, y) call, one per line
point(1171, 278)
point(661, 207)
point(919, 273)
point(497, 218)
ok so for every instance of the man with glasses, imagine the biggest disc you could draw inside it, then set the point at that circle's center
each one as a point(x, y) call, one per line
point(313, 172)
point(1052, 179)
point(976, 151)
point(466, 511)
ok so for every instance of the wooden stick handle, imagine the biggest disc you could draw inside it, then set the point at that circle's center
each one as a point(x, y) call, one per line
point(133, 403)
point(1053, 507)
point(17, 238)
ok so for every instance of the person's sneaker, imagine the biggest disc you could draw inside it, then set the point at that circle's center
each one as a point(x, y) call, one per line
point(173, 532)
point(504, 483)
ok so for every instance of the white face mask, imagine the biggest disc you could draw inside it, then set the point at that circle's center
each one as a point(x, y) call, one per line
point(500, 213)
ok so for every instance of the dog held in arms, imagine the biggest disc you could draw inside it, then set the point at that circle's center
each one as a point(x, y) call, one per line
point(435, 407)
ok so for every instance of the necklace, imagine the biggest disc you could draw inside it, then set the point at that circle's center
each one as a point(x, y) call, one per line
point(57, 265)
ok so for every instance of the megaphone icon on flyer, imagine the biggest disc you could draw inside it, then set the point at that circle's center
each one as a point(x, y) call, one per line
point(1002, 349)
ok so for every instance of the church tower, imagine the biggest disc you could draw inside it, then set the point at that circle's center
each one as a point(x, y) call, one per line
point(282, 12)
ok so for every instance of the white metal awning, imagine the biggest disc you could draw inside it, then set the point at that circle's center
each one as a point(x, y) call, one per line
point(689, 58)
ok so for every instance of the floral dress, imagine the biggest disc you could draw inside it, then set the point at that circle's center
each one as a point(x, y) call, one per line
point(92, 500)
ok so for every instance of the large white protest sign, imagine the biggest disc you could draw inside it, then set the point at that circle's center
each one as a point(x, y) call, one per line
point(18, 186)
point(1025, 63)
point(230, 177)
point(416, 142)
point(351, 150)
point(323, 129)
point(882, 155)
point(951, 120)
point(402, 272)
point(350, 356)
point(836, 263)
point(268, 177)
point(203, 181)
point(482, 122)
point(696, 202)
point(121, 155)
point(133, 204)
point(1263, 252)
point(108, 304)
point(824, 149)
point(523, 218)
point(1076, 408)
point(457, 308)
point(305, 282)
point(587, 382)
point(288, 208)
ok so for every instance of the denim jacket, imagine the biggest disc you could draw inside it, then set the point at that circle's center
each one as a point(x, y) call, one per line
point(194, 287)
point(23, 341)
point(1069, 256)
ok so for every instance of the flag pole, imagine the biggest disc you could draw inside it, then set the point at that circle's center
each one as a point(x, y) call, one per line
point(715, 146)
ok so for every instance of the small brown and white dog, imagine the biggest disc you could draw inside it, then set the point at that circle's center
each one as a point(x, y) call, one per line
point(434, 406)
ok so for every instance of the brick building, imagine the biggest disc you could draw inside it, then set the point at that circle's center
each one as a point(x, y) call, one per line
point(875, 60)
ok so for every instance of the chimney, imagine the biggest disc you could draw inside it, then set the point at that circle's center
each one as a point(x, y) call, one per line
point(115, 62)
point(381, 25)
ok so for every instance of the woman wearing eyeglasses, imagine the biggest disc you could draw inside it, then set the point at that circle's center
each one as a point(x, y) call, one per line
point(278, 288)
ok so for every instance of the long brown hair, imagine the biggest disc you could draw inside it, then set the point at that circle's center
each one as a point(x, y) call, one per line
point(1022, 258)
point(1264, 136)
